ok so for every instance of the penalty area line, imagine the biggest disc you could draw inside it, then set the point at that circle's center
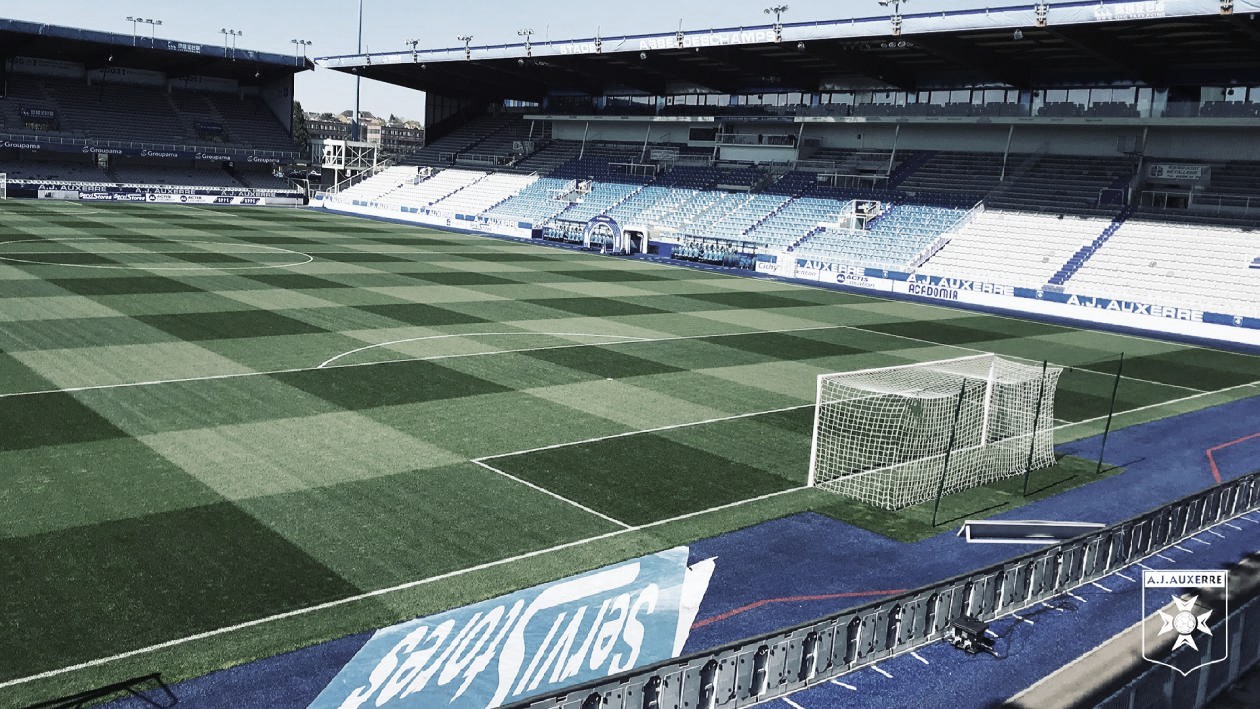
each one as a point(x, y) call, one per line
point(549, 493)
point(385, 591)
point(658, 429)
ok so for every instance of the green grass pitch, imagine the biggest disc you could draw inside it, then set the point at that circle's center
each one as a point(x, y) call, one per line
point(210, 417)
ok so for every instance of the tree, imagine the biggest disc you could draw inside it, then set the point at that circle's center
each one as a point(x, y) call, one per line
point(301, 134)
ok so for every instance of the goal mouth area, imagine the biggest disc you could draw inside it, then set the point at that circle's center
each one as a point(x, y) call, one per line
point(897, 436)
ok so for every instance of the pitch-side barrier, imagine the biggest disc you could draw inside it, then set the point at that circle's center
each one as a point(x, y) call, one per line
point(761, 668)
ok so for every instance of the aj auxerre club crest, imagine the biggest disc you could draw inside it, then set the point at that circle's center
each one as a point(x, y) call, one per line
point(1185, 622)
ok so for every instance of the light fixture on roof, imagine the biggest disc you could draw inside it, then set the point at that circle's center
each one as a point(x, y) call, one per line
point(152, 23)
point(1043, 11)
point(642, 56)
point(527, 33)
point(679, 36)
point(599, 43)
point(1227, 7)
point(301, 44)
point(777, 11)
point(1017, 35)
point(466, 38)
point(415, 56)
point(233, 34)
point(896, 16)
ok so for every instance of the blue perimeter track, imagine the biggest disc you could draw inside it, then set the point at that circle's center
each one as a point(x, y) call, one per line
point(802, 567)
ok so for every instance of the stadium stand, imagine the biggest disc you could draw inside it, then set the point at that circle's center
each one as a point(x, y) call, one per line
point(1016, 248)
point(1175, 264)
point(483, 194)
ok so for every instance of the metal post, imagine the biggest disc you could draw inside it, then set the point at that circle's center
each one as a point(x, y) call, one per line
point(893, 155)
point(1010, 134)
point(949, 450)
point(358, 79)
point(1032, 444)
point(1115, 388)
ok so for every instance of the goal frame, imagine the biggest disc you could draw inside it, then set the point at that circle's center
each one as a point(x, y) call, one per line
point(1039, 426)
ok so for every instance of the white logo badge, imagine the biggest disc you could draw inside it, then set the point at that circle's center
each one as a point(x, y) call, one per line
point(1185, 622)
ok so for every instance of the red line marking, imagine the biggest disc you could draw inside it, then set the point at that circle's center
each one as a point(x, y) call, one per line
point(792, 599)
point(1211, 453)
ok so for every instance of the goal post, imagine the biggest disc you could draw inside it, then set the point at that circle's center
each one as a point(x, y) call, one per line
point(4, 185)
point(896, 436)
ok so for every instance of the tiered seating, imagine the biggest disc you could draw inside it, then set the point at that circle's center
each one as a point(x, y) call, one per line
point(174, 176)
point(112, 111)
point(25, 92)
point(117, 112)
point(484, 194)
point(437, 152)
point(423, 194)
point(1013, 248)
point(374, 188)
point(734, 225)
point(795, 220)
point(1062, 184)
point(250, 122)
point(891, 241)
point(39, 170)
point(1189, 266)
point(961, 177)
point(601, 198)
point(536, 203)
point(546, 160)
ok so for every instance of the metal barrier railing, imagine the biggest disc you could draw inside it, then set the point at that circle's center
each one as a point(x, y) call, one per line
point(772, 665)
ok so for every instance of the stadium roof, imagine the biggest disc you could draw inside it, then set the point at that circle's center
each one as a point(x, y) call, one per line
point(1154, 42)
point(103, 49)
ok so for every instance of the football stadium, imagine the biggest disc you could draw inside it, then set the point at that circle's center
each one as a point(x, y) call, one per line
point(910, 358)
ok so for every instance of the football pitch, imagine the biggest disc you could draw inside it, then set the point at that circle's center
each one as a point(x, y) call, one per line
point(226, 434)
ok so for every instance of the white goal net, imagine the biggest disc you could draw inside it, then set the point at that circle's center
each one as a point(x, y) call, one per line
point(895, 436)
point(4, 185)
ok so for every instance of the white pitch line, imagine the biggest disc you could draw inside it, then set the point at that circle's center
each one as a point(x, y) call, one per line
point(990, 633)
point(298, 370)
point(618, 339)
point(1213, 531)
point(1178, 546)
point(1095, 583)
point(1165, 558)
point(849, 687)
point(915, 654)
point(791, 703)
point(1162, 404)
point(1233, 526)
point(309, 258)
point(1022, 619)
point(1078, 598)
point(1144, 566)
point(881, 670)
point(1123, 576)
point(658, 429)
point(386, 591)
point(549, 493)
point(1196, 539)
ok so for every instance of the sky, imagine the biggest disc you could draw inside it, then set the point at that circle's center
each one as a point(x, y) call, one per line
point(389, 24)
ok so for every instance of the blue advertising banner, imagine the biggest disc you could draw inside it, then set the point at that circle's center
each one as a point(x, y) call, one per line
point(538, 640)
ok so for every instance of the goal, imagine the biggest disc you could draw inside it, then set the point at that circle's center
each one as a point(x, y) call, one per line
point(897, 436)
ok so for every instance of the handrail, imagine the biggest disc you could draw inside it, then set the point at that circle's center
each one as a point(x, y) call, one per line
point(217, 149)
